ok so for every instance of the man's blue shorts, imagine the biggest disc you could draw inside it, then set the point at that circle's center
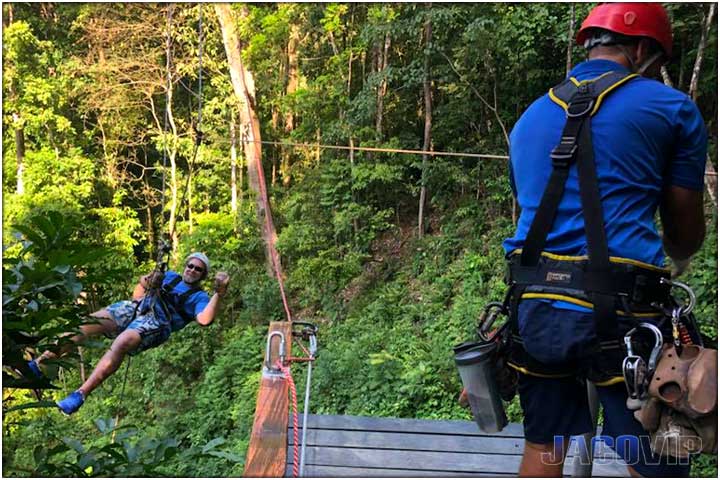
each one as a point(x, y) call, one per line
point(153, 332)
point(559, 407)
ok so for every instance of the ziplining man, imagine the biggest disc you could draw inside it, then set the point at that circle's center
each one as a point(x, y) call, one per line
point(161, 303)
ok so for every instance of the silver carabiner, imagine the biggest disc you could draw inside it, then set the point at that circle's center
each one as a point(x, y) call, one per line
point(281, 353)
point(657, 349)
point(690, 305)
point(635, 371)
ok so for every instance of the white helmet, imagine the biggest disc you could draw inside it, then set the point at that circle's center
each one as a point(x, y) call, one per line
point(202, 257)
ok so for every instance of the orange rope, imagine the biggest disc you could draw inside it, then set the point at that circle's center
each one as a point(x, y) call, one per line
point(291, 382)
point(274, 257)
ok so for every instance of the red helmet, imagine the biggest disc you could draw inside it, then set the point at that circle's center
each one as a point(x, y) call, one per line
point(631, 19)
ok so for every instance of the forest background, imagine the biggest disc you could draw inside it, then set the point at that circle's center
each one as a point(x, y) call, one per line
point(392, 254)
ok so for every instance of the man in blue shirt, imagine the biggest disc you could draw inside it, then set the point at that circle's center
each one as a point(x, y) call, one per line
point(145, 322)
point(649, 143)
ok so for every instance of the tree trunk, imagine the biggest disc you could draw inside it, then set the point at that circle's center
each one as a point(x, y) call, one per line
point(571, 40)
point(692, 91)
point(681, 74)
point(244, 88)
point(711, 181)
point(233, 167)
point(353, 195)
point(427, 95)
point(382, 63)
point(149, 227)
point(19, 153)
point(189, 193)
point(293, 73)
point(274, 120)
point(666, 76)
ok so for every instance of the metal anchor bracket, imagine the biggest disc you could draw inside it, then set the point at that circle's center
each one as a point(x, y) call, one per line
point(267, 367)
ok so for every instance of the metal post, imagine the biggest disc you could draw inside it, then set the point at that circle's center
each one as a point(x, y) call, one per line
point(312, 350)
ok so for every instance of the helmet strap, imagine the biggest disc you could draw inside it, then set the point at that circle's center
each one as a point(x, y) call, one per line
point(634, 67)
point(648, 61)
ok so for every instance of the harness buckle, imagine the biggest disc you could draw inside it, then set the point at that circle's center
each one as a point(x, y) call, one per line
point(564, 153)
point(580, 107)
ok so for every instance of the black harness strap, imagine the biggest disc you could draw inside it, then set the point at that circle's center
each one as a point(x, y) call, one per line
point(176, 300)
point(581, 100)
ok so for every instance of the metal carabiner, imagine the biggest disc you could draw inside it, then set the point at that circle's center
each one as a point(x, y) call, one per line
point(690, 305)
point(636, 371)
point(308, 333)
point(488, 318)
point(281, 353)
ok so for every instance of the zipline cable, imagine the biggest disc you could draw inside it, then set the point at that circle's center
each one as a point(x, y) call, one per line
point(306, 403)
point(122, 398)
point(198, 123)
point(167, 107)
point(378, 149)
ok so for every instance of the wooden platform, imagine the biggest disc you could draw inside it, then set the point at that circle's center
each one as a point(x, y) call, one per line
point(348, 446)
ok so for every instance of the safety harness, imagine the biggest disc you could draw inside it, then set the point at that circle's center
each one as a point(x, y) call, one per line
point(610, 286)
point(177, 300)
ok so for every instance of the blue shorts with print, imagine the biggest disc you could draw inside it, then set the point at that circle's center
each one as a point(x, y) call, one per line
point(558, 407)
point(153, 332)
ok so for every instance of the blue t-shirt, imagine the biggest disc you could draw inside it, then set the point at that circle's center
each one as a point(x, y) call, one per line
point(192, 306)
point(645, 136)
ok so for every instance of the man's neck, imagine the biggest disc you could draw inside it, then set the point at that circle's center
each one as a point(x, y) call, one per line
point(619, 58)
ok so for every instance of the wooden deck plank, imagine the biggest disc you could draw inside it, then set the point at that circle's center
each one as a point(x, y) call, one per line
point(602, 453)
point(321, 471)
point(348, 446)
point(355, 472)
point(268, 441)
point(420, 441)
point(410, 425)
point(406, 459)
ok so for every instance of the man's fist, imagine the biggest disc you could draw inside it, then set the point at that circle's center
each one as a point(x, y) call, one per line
point(221, 283)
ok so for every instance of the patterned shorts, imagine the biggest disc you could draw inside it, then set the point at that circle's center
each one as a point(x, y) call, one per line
point(152, 331)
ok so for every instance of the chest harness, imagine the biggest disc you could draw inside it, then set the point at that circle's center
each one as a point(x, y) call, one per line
point(170, 298)
point(611, 286)
point(167, 298)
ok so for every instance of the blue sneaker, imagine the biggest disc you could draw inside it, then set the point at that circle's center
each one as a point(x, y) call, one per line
point(71, 403)
point(35, 368)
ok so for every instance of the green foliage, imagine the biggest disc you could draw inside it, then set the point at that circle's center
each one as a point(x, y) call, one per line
point(84, 89)
point(40, 286)
point(118, 452)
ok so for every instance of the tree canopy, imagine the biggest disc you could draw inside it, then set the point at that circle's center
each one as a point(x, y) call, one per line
point(110, 144)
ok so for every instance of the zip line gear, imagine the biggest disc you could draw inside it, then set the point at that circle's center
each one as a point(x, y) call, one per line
point(618, 292)
point(631, 19)
point(309, 333)
point(378, 149)
point(595, 276)
point(636, 371)
point(177, 301)
point(168, 46)
point(300, 331)
point(679, 408)
point(197, 125)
